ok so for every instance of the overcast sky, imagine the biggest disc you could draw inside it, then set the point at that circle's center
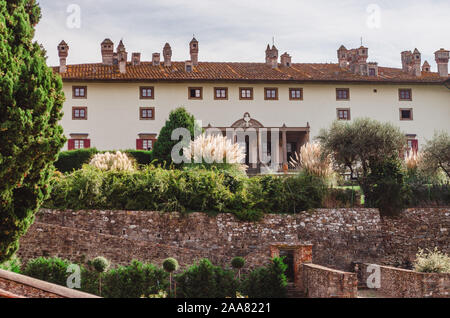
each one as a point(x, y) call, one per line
point(239, 30)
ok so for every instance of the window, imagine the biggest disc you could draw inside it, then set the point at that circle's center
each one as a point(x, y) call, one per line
point(296, 94)
point(413, 145)
point(343, 113)
point(145, 142)
point(147, 93)
point(74, 144)
point(405, 94)
point(195, 93)
point(372, 72)
point(147, 113)
point(406, 114)
point(79, 113)
point(246, 93)
point(79, 92)
point(342, 93)
point(270, 93)
point(220, 93)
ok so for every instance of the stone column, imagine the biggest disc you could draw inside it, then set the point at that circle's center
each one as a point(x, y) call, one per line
point(284, 134)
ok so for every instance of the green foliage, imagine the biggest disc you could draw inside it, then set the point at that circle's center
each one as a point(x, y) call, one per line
point(178, 118)
point(436, 153)
point(426, 195)
point(13, 265)
point(432, 261)
point(134, 281)
point(69, 161)
point(52, 270)
point(267, 282)
point(385, 188)
point(31, 100)
point(170, 265)
point(343, 198)
point(100, 264)
point(238, 262)
point(204, 280)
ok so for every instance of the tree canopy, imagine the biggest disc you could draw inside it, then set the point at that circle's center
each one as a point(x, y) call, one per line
point(31, 99)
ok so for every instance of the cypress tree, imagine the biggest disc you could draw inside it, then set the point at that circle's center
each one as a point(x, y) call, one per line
point(178, 118)
point(31, 100)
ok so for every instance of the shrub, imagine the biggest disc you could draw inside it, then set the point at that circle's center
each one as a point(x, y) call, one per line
point(313, 161)
point(170, 265)
point(112, 162)
point(342, 198)
point(13, 265)
point(384, 187)
point(52, 270)
point(69, 161)
point(204, 280)
point(100, 264)
point(215, 149)
point(425, 195)
point(178, 118)
point(267, 282)
point(142, 157)
point(134, 281)
point(432, 261)
point(436, 153)
point(238, 262)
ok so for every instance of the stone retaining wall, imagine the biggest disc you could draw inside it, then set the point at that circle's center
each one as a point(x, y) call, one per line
point(339, 236)
point(400, 283)
point(323, 282)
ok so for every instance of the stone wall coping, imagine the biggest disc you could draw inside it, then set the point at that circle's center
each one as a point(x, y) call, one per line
point(5, 294)
point(45, 286)
point(408, 270)
point(323, 268)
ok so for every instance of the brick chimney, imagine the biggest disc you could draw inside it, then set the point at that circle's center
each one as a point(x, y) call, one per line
point(136, 59)
point(188, 66)
point(63, 52)
point(107, 47)
point(442, 57)
point(272, 56)
point(122, 57)
point(286, 60)
point(411, 62)
point(342, 56)
point(156, 58)
point(193, 47)
point(167, 54)
point(426, 67)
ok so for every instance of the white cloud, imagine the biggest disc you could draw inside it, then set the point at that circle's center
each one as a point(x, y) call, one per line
point(239, 30)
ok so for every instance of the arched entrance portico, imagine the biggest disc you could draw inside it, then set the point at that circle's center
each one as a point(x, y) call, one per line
point(266, 146)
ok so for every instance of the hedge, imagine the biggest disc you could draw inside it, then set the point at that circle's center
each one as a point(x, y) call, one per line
point(157, 189)
point(68, 161)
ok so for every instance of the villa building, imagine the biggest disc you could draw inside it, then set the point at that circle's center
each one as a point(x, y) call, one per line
point(123, 103)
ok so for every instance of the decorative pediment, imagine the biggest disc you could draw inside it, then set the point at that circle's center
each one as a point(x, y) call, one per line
point(247, 122)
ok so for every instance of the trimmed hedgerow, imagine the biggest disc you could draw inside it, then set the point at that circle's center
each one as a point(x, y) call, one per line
point(158, 189)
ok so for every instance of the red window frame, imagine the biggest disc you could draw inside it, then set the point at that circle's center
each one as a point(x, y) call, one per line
point(74, 144)
point(144, 92)
point(141, 143)
point(405, 94)
point(342, 94)
point(341, 114)
point(76, 92)
point(79, 110)
point(143, 112)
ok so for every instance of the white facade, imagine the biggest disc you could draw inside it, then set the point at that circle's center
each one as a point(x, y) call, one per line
point(113, 119)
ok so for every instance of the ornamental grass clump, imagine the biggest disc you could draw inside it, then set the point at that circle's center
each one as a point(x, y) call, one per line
point(215, 149)
point(432, 261)
point(113, 162)
point(312, 161)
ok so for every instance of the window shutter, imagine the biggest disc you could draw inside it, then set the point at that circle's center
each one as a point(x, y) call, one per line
point(415, 145)
point(87, 143)
point(139, 144)
point(71, 145)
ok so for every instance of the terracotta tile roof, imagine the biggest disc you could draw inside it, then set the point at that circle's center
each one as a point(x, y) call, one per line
point(218, 71)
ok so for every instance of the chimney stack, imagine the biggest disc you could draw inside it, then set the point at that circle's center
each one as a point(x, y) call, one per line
point(426, 67)
point(188, 66)
point(411, 62)
point(193, 47)
point(442, 57)
point(286, 60)
point(272, 56)
point(167, 53)
point(156, 57)
point(107, 47)
point(136, 59)
point(63, 52)
point(342, 56)
point(122, 57)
